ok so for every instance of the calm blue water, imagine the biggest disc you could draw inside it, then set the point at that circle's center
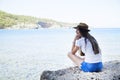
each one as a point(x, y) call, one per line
point(24, 54)
point(108, 38)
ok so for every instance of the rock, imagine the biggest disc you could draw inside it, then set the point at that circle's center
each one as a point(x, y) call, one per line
point(111, 71)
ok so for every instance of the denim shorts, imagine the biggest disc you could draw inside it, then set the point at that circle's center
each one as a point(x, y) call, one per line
point(91, 67)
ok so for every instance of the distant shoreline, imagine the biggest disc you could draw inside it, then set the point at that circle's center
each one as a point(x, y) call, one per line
point(53, 28)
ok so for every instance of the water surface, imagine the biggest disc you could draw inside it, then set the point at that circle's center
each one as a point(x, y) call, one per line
point(24, 54)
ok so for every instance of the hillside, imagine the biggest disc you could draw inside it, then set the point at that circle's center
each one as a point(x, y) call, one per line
point(11, 21)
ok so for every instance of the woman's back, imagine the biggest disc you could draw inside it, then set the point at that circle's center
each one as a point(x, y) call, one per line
point(86, 48)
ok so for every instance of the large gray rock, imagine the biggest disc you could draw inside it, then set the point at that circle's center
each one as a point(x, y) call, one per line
point(111, 71)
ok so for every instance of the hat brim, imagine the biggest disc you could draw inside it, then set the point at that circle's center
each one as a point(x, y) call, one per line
point(75, 27)
point(84, 29)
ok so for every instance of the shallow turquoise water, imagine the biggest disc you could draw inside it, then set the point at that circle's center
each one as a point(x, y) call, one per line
point(24, 54)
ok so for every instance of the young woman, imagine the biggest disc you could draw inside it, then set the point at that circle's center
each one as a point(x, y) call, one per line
point(89, 46)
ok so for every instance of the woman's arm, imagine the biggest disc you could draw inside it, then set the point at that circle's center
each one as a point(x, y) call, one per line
point(75, 48)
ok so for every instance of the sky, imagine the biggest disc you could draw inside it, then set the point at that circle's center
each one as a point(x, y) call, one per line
point(96, 13)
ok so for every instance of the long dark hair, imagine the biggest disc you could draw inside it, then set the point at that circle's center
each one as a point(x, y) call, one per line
point(93, 41)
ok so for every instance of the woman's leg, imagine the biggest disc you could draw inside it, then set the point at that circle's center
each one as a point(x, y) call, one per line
point(77, 60)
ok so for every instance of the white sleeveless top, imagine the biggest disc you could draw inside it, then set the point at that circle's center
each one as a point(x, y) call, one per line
point(90, 57)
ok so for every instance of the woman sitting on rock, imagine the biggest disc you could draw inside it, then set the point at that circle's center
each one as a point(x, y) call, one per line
point(92, 62)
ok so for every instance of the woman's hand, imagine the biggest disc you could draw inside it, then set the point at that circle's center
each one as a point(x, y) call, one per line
point(76, 37)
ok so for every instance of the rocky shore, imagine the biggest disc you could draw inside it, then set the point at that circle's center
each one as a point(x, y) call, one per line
point(111, 71)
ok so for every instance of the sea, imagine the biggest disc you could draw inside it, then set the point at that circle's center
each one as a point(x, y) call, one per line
point(26, 53)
